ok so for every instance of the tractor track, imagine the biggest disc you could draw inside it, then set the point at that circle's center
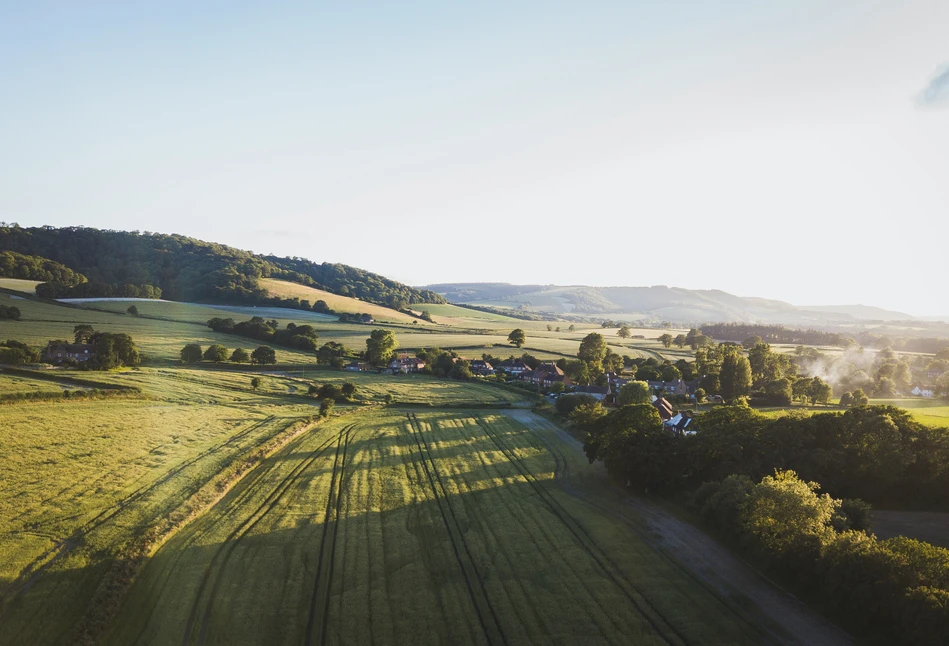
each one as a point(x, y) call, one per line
point(457, 536)
point(332, 509)
point(35, 568)
point(223, 554)
point(662, 627)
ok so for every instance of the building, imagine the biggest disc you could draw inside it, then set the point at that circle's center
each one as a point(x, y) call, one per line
point(357, 366)
point(922, 392)
point(405, 365)
point(513, 366)
point(481, 367)
point(545, 375)
point(679, 424)
point(60, 352)
point(665, 408)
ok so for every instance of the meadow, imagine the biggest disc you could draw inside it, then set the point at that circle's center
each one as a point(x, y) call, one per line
point(337, 303)
point(403, 528)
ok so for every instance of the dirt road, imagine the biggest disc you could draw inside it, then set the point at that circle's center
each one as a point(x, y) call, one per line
point(782, 618)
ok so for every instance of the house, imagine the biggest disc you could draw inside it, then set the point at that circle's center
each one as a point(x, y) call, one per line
point(545, 375)
point(679, 424)
point(60, 352)
point(356, 366)
point(599, 393)
point(677, 387)
point(616, 382)
point(664, 408)
point(513, 366)
point(922, 392)
point(481, 367)
point(715, 399)
point(405, 365)
point(367, 318)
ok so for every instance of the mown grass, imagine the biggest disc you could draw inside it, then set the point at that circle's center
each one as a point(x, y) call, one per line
point(335, 302)
point(437, 528)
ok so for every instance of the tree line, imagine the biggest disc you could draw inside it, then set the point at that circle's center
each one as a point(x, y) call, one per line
point(192, 353)
point(300, 337)
point(17, 265)
point(773, 334)
point(96, 290)
point(187, 269)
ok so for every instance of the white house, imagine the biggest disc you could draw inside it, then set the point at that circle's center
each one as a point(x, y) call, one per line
point(922, 392)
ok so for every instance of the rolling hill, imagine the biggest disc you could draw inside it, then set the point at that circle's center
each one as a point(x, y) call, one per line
point(654, 304)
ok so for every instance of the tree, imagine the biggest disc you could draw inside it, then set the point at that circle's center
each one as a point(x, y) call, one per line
point(132, 310)
point(670, 373)
point(263, 355)
point(326, 408)
point(330, 391)
point(216, 353)
point(699, 395)
point(380, 346)
point(349, 389)
point(592, 350)
point(191, 353)
point(82, 333)
point(860, 398)
point(779, 392)
point(735, 375)
point(517, 337)
point(624, 332)
point(255, 383)
point(819, 391)
point(679, 340)
point(665, 339)
point(634, 392)
point(572, 327)
point(239, 355)
point(846, 400)
point(751, 342)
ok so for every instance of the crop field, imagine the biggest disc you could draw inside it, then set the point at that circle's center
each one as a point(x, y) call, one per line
point(19, 285)
point(336, 302)
point(393, 527)
point(10, 384)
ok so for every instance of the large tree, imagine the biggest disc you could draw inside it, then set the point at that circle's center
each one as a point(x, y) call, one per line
point(191, 353)
point(593, 351)
point(380, 346)
point(634, 392)
point(517, 337)
point(263, 355)
point(665, 339)
point(624, 332)
point(240, 355)
point(216, 353)
point(735, 375)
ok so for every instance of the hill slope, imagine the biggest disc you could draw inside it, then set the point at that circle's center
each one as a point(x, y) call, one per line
point(186, 269)
point(657, 303)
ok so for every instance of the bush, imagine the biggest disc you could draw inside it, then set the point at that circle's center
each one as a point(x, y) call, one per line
point(567, 403)
point(326, 407)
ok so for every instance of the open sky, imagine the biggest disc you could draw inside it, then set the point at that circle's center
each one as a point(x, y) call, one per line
point(796, 150)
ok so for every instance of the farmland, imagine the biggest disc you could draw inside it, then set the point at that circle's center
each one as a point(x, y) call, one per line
point(337, 303)
point(401, 528)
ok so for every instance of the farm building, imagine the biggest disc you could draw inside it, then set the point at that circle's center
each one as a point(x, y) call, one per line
point(922, 392)
point(59, 352)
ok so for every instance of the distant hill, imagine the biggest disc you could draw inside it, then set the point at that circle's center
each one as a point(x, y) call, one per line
point(654, 304)
point(186, 269)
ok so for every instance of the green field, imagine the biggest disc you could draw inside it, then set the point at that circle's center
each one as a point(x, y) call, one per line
point(19, 285)
point(10, 384)
point(428, 528)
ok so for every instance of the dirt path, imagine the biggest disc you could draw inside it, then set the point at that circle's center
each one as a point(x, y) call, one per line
point(791, 621)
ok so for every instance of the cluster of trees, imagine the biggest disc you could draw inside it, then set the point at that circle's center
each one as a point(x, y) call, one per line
point(18, 265)
point(354, 318)
point(301, 337)
point(216, 353)
point(738, 332)
point(187, 269)
point(445, 363)
point(897, 589)
point(877, 453)
point(17, 354)
point(9, 313)
point(344, 392)
point(380, 347)
point(97, 290)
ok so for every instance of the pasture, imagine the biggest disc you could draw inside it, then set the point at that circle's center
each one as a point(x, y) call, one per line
point(19, 285)
point(410, 528)
point(337, 303)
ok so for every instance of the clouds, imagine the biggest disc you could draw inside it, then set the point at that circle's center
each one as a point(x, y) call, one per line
point(937, 93)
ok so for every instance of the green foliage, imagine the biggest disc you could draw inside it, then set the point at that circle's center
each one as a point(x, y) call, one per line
point(300, 337)
point(735, 374)
point(133, 310)
point(666, 340)
point(624, 332)
point(380, 347)
point(240, 355)
point(517, 337)
point(216, 353)
point(326, 407)
point(191, 353)
point(567, 403)
point(330, 391)
point(15, 353)
point(255, 382)
point(182, 268)
point(592, 351)
point(634, 392)
point(263, 355)
point(16, 265)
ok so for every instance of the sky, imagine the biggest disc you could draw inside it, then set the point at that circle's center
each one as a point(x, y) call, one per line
point(795, 150)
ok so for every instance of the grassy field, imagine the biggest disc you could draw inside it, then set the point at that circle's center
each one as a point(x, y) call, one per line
point(337, 303)
point(429, 528)
point(19, 285)
point(932, 412)
point(16, 384)
point(84, 484)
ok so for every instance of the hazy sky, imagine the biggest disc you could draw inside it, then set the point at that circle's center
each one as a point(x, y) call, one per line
point(798, 152)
